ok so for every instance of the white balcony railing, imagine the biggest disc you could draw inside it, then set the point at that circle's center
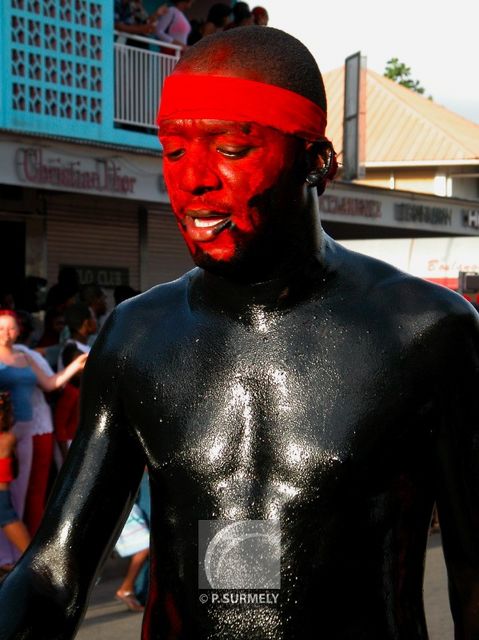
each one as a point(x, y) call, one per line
point(140, 72)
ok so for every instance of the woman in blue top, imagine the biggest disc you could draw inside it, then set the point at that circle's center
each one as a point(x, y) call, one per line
point(19, 375)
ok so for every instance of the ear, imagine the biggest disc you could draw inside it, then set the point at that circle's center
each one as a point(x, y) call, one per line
point(322, 164)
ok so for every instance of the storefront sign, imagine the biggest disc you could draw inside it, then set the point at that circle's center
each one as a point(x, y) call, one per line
point(104, 176)
point(470, 218)
point(440, 260)
point(66, 167)
point(423, 214)
point(351, 206)
point(108, 277)
point(356, 204)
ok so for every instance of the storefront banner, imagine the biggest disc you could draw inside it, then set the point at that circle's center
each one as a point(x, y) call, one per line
point(82, 169)
point(435, 259)
point(358, 204)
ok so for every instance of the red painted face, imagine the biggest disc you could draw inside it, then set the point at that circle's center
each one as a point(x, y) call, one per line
point(228, 183)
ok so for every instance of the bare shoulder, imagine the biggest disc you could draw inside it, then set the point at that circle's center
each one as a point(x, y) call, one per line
point(380, 288)
point(161, 299)
point(146, 312)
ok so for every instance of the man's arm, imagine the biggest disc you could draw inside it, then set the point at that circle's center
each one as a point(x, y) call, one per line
point(45, 595)
point(136, 29)
point(457, 471)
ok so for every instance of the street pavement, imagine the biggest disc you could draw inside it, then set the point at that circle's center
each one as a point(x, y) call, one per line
point(438, 615)
point(107, 619)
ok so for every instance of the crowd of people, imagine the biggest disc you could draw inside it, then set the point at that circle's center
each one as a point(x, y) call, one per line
point(171, 25)
point(43, 350)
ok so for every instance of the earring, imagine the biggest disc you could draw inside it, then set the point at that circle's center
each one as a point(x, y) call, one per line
point(316, 175)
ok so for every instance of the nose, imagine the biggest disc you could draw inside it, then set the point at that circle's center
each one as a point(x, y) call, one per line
point(198, 177)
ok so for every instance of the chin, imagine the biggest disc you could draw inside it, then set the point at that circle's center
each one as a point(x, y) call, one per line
point(211, 261)
point(245, 258)
point(217, 254)
point(216, 261)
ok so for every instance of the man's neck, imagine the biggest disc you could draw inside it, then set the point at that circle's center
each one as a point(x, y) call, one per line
point(293, 239)
point(270, 284)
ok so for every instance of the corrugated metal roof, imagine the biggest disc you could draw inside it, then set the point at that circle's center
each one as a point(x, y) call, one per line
point(401, 125)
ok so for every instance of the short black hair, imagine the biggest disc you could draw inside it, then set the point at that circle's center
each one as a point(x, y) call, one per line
point(68, 276)
point(241, 11)
point(123, 292)
point(217, 13)
point(25, 324)
point(69, 353)
point(76, 314)
point(90, 292)
point(262, 53)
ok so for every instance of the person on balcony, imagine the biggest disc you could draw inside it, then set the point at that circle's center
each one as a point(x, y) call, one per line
point(242, 16)
point(260, 16)
point(174, 27)
point(219, 15)
point(131, 17)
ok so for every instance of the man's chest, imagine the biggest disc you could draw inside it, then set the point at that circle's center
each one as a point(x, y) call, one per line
point(287, 407)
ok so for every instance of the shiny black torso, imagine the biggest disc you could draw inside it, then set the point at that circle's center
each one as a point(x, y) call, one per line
point(316, 410)
point(337, 402)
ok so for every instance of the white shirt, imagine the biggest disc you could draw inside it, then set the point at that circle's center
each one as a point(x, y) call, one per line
point(42, 422)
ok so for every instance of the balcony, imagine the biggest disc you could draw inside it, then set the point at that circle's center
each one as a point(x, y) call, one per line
point(67, 73)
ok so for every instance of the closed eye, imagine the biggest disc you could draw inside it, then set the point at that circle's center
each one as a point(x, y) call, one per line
point(234, 152)
point(176, 154)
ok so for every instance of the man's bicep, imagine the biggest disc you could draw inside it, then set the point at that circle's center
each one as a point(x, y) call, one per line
point(101, 474)
point(46, 593)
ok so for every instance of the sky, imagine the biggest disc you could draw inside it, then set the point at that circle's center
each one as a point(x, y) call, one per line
point(437, 39)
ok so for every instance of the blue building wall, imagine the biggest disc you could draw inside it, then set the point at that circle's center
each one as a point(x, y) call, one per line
point(57, 77)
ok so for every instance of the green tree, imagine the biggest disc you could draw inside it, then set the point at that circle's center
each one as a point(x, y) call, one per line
point(401, 73)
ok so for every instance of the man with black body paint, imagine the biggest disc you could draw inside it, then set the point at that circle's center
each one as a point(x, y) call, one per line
point(284, 378)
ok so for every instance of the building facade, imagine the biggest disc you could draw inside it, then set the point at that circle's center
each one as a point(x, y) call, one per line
point(81, 179)
point(408, 142)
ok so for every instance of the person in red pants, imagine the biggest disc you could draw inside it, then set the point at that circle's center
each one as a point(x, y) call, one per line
point(42, 435)
point(67, 414)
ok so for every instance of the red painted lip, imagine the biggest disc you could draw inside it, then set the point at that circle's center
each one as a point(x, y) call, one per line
point(212, 223)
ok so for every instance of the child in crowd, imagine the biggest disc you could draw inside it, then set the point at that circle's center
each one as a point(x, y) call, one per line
point(12, 526)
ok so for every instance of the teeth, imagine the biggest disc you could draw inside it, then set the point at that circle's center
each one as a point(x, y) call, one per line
point(205, 223)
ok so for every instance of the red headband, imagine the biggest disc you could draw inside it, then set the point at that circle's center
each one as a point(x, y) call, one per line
point(192, 96)
point(8, 312)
